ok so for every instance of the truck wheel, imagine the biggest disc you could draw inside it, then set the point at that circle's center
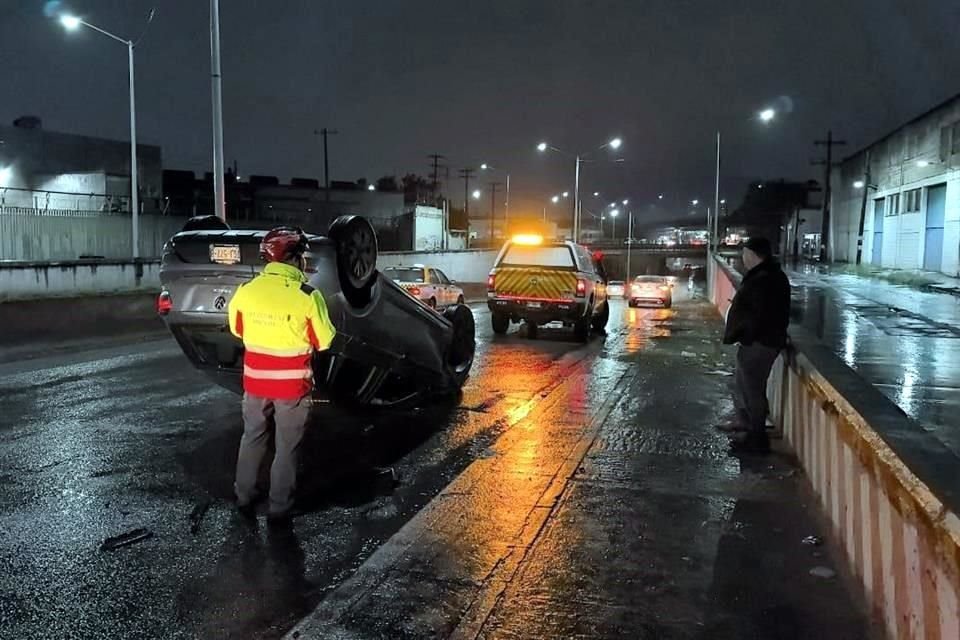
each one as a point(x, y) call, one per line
point(463, 343)
point(581, 330)
point(356, 243)
point(600, 321)
point(500, 323)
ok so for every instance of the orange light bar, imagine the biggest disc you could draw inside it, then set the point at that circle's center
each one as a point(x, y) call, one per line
point(527, 239)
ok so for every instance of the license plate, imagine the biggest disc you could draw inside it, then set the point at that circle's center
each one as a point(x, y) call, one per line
point(225, 253)
point(533, 305)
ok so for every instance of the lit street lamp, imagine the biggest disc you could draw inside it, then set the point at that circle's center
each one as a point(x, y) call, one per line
point(555, 199)
point(614, 143)
point(767, 115)
point(72, 23)
point(476, 194)
point(370, 187)
point(694, 202)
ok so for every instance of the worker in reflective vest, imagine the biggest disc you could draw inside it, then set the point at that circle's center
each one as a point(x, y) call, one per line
point(282, 320)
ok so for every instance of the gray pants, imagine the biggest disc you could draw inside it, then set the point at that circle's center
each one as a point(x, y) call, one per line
point(290, 419)
point(750, 385)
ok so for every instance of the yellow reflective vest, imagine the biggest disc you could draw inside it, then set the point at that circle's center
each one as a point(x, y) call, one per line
point(281, 320)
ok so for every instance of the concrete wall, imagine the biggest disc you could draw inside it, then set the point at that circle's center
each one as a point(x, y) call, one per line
point(26, 280)
point(932, 140)
point(28, 235)
point(463, 266)
point(887, 487)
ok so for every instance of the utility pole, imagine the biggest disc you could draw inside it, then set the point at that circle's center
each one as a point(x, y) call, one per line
point(466, 174)
point(326, 162)
point(863, 205)
point(435, 174)
point(828, 165)
point(493, 205)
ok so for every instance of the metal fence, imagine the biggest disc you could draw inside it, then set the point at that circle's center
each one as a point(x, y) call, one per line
point(56, 234)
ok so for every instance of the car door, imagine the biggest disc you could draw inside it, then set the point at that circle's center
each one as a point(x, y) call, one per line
point(449, 291)
point(434, 288)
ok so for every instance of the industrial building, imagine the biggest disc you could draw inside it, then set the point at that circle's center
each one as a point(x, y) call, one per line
point(905, 191)
point(53, 171)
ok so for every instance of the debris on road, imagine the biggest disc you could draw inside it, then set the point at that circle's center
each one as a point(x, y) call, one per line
point(196, 516)
point(126, 539)
point(823, 572)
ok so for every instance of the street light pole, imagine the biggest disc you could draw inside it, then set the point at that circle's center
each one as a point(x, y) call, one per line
point(863, 207)
point(72, 23)
point(629, 242)
point(219, 188)
point(576, 202)
point(711, 239)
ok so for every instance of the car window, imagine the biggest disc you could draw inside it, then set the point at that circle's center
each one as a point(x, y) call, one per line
point(432, 276)
point(616, 283)
point(555, 256)
point(441, 276)
point(585, 259)
point(404, 274)
point(651, 279)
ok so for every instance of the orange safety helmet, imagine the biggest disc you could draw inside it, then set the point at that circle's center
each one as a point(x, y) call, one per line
point(283, 243)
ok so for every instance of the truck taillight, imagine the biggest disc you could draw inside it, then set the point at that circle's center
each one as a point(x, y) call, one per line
point(491, 282)
point(581, 288)
point(164, 303)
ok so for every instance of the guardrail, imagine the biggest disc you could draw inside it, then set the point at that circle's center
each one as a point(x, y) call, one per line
point(890, 490)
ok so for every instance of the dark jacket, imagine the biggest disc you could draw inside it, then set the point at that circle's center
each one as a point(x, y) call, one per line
point(760, 311)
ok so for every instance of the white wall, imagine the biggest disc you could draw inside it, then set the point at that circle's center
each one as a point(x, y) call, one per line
point(70, 279)
point(463, 266)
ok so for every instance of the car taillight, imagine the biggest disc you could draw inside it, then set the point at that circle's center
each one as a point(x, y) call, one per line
point(491, 282)
point(164, 303)
point(664, 287)
point(581, 288)
point(414, 291)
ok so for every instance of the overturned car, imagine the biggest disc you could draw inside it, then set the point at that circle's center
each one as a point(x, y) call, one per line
point(390, 347)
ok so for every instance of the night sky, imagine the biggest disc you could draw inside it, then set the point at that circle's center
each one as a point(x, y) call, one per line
point(485, 81)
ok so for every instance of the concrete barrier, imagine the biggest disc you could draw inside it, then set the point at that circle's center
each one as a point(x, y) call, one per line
point(890, 490)
point(33, 280)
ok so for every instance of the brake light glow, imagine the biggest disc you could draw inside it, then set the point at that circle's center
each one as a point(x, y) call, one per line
point(664, 287)
point(581, 288)
point(491, 282)
point(164, 303)
point(414, 291)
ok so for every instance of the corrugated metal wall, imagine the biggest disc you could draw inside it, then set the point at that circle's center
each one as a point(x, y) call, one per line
point(68, 235)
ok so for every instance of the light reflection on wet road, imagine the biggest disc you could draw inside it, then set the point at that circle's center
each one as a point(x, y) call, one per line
point(903, 341)
point(103, 441)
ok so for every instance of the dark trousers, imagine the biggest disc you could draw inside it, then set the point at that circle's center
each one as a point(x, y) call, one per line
point(750, 385)
point(290, 419)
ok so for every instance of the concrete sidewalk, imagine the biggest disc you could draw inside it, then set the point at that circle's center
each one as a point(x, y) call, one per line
point(611, 510)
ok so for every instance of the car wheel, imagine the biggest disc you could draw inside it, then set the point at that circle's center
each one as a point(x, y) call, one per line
point(668, 304)
point(463, 343)
point(432, 302)
point(460, 300)
point(600, 321)
point(356, 243)
point(500, 322)
point(581, 330)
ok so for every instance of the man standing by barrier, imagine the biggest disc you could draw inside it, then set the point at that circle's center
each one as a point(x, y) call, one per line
point(757, 321)
point(282, 320)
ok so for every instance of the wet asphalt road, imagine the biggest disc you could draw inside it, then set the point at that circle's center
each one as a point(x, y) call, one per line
point(903, 341)
point(128, 436)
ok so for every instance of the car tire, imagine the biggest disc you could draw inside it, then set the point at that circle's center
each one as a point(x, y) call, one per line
point(668, 304)
point(460, 300)
point(432, 303)
point(463, 342)
point(600, 321)
point(500, 323)
point(356, 249)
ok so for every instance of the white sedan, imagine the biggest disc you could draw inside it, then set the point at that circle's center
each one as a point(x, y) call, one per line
point(428, 284)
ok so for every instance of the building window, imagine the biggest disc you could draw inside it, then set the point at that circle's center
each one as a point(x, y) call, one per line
point(955, 139)
point(893, 204)
point(912, 201)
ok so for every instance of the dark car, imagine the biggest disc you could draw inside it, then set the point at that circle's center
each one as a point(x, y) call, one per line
point(390, 347)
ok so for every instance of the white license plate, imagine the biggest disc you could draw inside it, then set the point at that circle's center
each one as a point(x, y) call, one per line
point(533, 305)
point(225, 253)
